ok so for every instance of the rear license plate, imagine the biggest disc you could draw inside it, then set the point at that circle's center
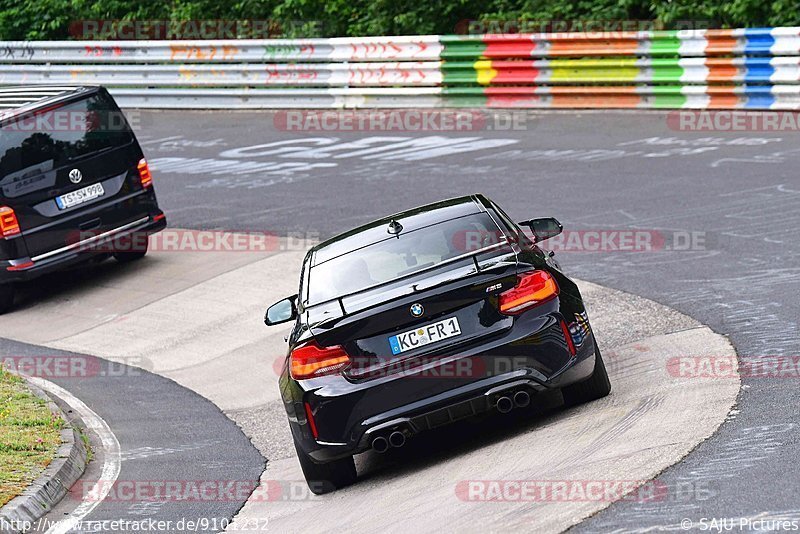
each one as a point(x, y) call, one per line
point(425, 335)
point(80, 196)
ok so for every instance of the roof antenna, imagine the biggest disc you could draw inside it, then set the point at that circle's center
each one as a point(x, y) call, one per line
point(395, 228)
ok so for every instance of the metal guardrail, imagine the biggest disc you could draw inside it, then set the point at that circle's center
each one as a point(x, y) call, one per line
point(403, 48)
point(742, 68)
point(295, 98)
point(410, 73)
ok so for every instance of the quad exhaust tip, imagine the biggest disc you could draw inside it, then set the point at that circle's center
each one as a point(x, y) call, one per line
point(522, 399)
point(519, 399)
point(505, 405)
point(380, 444)
point(397, 439)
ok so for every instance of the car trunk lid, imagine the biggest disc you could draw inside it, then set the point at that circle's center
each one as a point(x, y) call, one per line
point(429, 315)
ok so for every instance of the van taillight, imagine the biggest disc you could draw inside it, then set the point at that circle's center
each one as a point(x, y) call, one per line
point(144, 173)
point(9, 225)
point(532, 288)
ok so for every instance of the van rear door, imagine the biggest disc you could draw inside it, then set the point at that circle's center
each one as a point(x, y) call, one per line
point(69, 171)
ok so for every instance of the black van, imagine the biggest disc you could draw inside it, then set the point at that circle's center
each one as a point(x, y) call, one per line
point(73, 183)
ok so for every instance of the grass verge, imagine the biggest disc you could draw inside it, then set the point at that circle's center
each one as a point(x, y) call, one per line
point(29, 436)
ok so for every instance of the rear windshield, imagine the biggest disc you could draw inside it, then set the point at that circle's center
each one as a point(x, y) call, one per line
point(47, 139)
point(396, 257)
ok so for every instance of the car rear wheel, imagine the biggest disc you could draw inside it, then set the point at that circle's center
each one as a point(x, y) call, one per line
point(131, 255)
point(327, 477)
point(6, 297)
point(595, 387)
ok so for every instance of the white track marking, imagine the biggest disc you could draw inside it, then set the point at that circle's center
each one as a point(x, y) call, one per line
point(111, 454)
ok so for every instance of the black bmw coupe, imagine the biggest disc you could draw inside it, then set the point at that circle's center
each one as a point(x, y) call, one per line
point(424, 318)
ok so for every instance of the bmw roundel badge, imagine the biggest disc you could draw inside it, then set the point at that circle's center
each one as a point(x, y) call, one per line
point(417, 310)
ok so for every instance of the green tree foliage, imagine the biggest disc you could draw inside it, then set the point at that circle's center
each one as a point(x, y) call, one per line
point(51, 19)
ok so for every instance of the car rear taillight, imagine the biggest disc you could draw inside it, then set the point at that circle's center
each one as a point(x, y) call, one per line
point(532, 288)
point(9, 225)
point(144, 173)
point(311, 360)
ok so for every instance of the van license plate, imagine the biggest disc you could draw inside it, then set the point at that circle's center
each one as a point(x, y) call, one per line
point(80, 196)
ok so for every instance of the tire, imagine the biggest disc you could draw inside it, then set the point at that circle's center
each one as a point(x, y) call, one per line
point(327, 477)
point(595, 387)
point(128, 256)
point(7, 292)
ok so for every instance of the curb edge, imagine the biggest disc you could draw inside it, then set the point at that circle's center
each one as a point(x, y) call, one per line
point(53, 483)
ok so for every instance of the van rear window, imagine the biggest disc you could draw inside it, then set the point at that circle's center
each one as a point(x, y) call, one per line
point(47, 139)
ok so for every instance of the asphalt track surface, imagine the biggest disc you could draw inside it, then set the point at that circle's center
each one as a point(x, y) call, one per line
point(211, 340)
point(738, 192)
point(631, 170)
point(156, 424)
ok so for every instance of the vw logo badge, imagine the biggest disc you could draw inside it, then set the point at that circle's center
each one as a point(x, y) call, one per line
point(75, 176)
point(417, 310)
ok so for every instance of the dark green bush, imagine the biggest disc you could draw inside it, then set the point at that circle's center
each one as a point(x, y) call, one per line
point(51, 19)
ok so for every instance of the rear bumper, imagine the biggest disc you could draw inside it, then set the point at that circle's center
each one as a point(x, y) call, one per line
point(22, 269)
point(348, 415)
point(441, 410)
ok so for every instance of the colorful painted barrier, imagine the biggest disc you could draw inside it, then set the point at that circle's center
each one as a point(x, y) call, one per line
point(661, 96)
point(623, 70)
point(683, 43)
point(741, 68)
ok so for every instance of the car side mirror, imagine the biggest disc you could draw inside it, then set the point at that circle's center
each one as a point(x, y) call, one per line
point(281, 312)
point(543, 228)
